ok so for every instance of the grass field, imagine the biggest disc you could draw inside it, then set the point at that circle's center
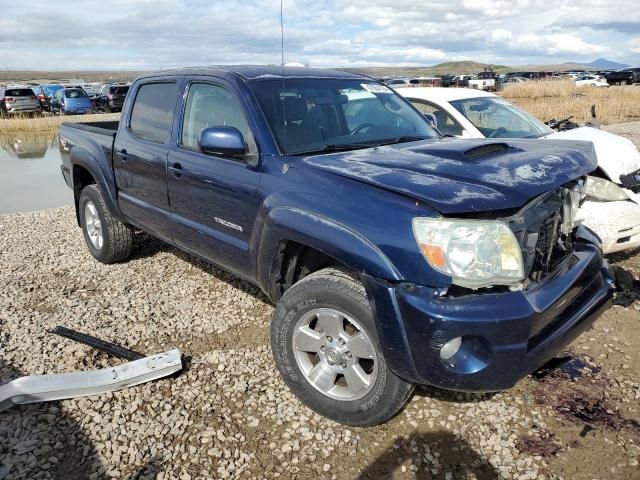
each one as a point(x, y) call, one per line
point(47, 125)
point(561, 99)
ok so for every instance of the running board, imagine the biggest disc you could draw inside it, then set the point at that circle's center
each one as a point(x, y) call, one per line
point(45, 388)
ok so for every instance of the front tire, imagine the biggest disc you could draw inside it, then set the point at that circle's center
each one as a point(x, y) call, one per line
point(108, 239)
point(326, 346)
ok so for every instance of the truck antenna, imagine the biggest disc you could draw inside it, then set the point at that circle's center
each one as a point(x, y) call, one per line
point(282, 96)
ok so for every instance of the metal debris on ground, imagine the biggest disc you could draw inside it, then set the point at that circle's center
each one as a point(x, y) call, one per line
point(44, 388)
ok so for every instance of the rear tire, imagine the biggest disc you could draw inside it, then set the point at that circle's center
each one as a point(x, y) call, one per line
point(345, 378)
point(108, 239)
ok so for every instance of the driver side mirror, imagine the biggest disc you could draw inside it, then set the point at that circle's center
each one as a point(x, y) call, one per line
point(222, 141)
point(431, 118)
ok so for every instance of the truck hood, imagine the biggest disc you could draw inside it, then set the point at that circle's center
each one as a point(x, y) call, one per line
point(460, 176)
point(616, 155)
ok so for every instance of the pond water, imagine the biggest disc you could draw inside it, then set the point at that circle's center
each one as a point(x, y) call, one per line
point(31, 179)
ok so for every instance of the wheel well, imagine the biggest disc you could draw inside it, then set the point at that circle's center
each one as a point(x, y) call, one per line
point(81, 178)
point(293, 262)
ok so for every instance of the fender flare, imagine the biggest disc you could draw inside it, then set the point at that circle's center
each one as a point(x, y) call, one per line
point(328, 236)
point(102, 175)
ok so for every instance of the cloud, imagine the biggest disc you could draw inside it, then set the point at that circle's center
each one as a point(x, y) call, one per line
point(557, 43)
point(168, 33)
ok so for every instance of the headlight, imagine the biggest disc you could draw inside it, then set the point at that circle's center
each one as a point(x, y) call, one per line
point(475, 253)
point(601, 189)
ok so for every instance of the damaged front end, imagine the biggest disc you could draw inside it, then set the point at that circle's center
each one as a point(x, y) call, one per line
point(487, 338)
point(544, 229)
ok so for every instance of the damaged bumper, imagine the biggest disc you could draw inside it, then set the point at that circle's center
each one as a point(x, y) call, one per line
point(44, 388)
point(504, 336)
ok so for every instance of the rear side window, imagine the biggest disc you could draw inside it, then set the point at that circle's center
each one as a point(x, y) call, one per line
point(75, 93)
point(118, 90)
point(152, 113)
point(19, 92)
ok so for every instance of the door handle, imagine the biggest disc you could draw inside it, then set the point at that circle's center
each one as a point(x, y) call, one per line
point(123, 155)
point(176, 169)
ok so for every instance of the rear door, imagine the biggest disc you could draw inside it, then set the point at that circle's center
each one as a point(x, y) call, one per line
point(140, 154)
point(213, 198)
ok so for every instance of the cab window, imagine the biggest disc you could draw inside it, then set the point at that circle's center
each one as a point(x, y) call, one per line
point(152, 112)
point(213, 106)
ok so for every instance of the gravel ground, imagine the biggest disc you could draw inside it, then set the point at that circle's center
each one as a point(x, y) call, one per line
point(230, 416)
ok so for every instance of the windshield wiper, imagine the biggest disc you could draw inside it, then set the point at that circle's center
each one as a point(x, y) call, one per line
point(335, 147)
point(401, 139)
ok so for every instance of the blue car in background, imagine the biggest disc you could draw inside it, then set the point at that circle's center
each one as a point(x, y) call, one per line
point(69, 101)
point(45, 93)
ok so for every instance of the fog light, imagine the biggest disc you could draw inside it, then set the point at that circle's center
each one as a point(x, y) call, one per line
point(450, 348)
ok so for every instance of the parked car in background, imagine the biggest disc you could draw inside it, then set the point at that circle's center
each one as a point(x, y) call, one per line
point(471, 274)
point(515, 80)
point(71, 101)
point(590, 80)
point(111, 97)
point(626, 76)
point(446, 80)
point(484, 81)
point(610, 209)
point(92, 89)
point(18, 100)
point(44, 93)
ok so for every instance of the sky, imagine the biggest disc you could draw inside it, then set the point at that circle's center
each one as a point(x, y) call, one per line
point(157, 34)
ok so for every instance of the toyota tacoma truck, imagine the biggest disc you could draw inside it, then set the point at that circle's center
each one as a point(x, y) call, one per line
point(394, 257)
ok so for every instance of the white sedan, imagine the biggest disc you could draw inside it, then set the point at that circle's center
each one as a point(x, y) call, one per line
point(610, 210)
point(589, 80)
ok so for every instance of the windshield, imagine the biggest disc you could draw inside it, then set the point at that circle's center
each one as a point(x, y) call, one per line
point(52, 89)
point(75, 93)
point(313, 115)
point(19, 92)
point(497, 118)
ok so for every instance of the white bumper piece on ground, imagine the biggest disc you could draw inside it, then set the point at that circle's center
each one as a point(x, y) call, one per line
point(616, 223)
point(44, 388)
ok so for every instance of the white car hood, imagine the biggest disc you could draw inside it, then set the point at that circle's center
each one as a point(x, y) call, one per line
point(616, 155)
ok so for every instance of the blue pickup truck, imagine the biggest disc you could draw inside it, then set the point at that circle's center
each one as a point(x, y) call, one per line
point(395, 257)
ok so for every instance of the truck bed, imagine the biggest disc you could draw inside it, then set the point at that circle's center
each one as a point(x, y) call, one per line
point(97, 138)
point(104, 128)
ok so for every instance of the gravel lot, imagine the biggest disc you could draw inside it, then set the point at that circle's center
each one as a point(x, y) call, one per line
point(230, 416)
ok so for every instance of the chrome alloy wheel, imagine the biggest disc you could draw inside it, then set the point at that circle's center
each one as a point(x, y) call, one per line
point(93, 225)
point(335, 354)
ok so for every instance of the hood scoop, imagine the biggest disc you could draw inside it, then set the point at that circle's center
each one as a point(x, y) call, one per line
point(486, 150)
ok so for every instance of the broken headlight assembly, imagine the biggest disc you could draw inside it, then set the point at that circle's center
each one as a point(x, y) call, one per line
point(604, 190)
point(475, 253)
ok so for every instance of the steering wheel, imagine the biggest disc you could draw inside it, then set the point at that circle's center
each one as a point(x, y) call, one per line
point(362, 126)
point(497, 132)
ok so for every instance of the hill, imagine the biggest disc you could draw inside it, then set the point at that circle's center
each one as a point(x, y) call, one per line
point(464, 67)
point(604, 64)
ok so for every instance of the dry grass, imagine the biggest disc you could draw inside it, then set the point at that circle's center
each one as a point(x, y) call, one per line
point(561, 99)
point(47, 125)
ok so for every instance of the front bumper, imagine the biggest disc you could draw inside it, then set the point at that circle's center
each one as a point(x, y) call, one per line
point(506, 336)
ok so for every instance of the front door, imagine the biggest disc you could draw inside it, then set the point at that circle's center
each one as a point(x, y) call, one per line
point(140, 156)
point(213, 198)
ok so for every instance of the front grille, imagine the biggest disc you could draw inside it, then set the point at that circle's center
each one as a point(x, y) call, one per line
point(550, 249)
point(539, 230)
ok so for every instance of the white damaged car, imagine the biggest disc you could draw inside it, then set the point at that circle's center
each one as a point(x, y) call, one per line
point(610, 209)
